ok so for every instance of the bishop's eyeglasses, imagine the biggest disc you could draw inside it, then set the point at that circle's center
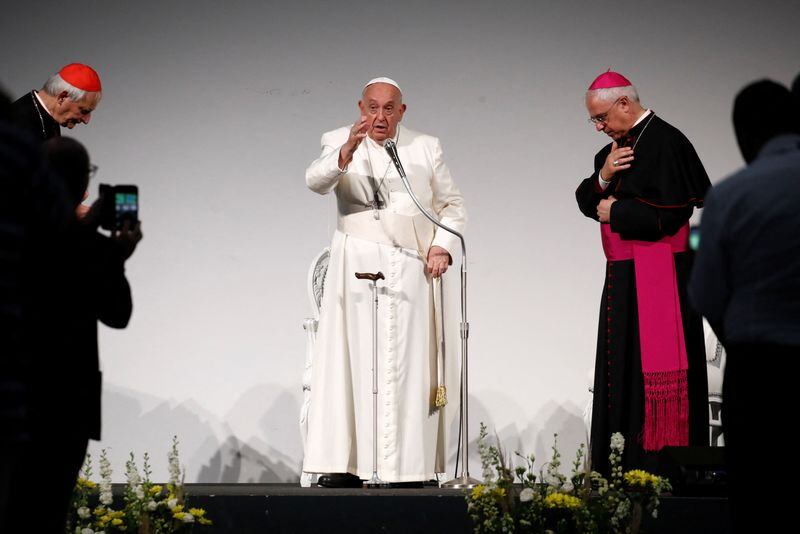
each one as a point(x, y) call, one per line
point(603, 117)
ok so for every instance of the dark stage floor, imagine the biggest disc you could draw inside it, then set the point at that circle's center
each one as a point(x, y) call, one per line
point(288, 508)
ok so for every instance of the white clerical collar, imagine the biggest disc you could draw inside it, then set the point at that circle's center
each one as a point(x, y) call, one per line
point(642, 117)
point(36, 94)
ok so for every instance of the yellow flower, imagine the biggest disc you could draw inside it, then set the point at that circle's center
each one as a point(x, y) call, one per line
point(86, 483)
point(204, 521)
point(478, 490)
point(155, 490)
point(562, 500)
point(640, 478)
point(116, 522)
point(197, 512)
point(177, 509)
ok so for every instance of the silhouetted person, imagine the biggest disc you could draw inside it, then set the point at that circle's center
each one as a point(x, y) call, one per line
point(12, 401)
point(77, 281)
point(34, 213)
point(746, 282)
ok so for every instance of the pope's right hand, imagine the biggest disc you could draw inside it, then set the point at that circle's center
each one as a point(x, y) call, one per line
point(618, 159)
point(357, 134)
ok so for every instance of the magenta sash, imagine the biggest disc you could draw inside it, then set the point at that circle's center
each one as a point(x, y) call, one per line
point(663, 349)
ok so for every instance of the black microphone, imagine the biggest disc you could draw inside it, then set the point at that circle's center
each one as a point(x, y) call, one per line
point(391, 149)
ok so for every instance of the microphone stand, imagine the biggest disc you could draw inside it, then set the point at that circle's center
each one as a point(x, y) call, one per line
point(464, 480)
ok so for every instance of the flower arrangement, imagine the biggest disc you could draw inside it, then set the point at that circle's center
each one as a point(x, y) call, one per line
point(552, 503)
point(147, 508)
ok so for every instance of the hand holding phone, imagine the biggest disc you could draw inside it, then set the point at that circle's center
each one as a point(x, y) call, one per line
point(120, 204)
point(128, 237)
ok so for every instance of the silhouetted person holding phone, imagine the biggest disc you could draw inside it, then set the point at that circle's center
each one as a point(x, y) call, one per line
point(74, 283)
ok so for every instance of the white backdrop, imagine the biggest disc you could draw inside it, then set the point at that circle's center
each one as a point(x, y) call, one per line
point(215, 109)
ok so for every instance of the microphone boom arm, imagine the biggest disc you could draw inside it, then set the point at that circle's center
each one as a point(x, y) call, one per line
point(464, 480)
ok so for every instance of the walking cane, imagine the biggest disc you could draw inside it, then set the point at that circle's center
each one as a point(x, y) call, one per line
point(375, 481)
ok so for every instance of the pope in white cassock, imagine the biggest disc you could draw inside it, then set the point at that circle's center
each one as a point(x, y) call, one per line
point(379, 228)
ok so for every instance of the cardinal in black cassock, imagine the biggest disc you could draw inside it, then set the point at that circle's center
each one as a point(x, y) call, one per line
point(650, 373)
point(68, 98)
point(31, 115)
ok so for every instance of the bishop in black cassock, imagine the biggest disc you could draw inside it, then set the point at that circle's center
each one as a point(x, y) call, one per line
point(650, 372)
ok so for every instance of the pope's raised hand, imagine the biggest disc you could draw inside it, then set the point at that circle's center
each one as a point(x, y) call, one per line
point(358, 131)
point(618, 159)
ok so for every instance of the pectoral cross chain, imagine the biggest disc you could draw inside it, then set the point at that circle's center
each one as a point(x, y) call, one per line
point(376, 204)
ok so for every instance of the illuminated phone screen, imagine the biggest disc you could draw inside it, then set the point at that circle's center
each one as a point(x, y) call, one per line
point(126, 207)
point(126, 202)
point(694, 237)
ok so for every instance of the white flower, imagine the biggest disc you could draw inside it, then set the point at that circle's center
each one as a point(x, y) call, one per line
point(84, 512)
point(526, 495)
point(617, 442)
point(106, 496)
point(152, 505)
point(567, 486)
point(87, 530)
point(132, 473)
point(172, 503)
point(174, 463)
point(139, 492)
point(188, 518)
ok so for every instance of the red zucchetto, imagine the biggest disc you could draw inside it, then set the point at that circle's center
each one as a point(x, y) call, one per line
point(608, 80)
point(82, 77)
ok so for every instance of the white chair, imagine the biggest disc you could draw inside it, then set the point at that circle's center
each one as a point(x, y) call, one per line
point(316, 280)
point(587, 411)
point(715, 365)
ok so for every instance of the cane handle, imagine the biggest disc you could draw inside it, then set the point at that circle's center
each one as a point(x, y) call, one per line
point(370, 276)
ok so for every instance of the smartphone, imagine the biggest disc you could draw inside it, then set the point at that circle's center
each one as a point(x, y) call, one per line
point(121, 204)
point(694, 237)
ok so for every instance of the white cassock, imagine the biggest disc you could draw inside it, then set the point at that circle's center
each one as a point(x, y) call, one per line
point(410, 427)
